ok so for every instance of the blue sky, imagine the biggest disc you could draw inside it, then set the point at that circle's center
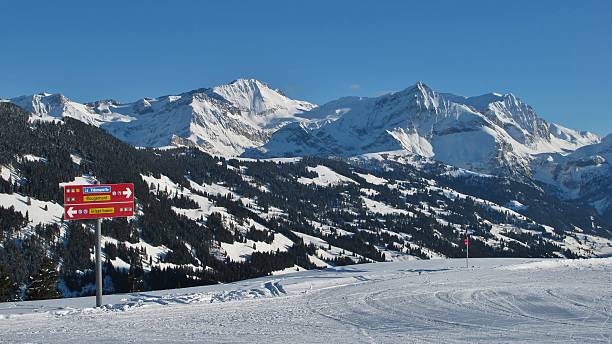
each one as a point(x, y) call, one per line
point(554, 55)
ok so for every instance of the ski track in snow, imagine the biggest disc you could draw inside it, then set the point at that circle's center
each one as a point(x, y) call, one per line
point(436, 301)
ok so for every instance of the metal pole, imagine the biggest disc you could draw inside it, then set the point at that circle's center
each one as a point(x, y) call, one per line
point(467, 249)
point(98, 264)
point(98, 261)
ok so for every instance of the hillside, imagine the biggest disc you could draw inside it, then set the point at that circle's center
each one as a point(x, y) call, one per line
point(203, 219)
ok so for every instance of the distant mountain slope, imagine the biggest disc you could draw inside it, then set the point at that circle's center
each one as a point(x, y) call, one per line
point(585, 174)
point(491, 133)
point(222, 120)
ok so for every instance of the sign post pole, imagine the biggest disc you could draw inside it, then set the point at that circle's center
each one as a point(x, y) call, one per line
point(98, 263)
point(95, 202)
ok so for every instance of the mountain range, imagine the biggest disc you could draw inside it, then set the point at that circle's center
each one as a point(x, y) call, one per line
point(238, 181)
point(494, 133)
point(223, 120)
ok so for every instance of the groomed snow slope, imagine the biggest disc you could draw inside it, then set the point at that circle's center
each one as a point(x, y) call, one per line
point(436, 301)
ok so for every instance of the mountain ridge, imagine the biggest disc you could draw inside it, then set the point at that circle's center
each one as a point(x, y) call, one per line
point(505, 132)
point(493, 133)
point(221, 120)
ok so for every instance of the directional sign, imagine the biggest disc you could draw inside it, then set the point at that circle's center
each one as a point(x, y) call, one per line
point(83, 202)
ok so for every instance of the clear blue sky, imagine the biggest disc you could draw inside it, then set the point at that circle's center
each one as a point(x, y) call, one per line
point(556, 55)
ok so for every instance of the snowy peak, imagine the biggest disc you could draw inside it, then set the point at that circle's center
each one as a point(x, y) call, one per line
point(421, 96)
point(506, 108)
point(490, 133)
point(223, 120)
point(522, 123)
point(263, 105)
point(246, 94)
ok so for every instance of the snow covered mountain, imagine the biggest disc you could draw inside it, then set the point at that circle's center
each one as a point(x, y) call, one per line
point(50, 107)
point(489, 133)
point(204, 219)
point(493, 133)
point(263, 106)
point(583, 174)
point(222, 120)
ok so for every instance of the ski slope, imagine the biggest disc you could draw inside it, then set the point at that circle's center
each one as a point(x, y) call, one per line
point(435, 301)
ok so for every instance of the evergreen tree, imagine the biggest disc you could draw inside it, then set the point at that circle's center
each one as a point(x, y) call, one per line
point(44, 284)
point(136, 273)
point(6, 285)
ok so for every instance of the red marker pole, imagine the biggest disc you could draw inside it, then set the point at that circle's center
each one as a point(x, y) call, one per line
point(467, 249)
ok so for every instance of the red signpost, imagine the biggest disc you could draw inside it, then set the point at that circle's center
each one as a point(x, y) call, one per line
point(86, 202)
point(98, 201)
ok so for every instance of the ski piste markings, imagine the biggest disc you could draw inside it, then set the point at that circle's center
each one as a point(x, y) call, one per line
point(421, 300)
point(361, 280)
point(370, 299)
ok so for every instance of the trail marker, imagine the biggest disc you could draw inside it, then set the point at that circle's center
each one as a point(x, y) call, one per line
point(98, 201)
point(86, 202)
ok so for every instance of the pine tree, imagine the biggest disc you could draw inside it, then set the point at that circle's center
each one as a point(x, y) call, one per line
point(6, 286)
point(136, 273)
point(44, 284)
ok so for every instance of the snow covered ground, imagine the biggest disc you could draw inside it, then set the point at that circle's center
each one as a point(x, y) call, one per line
point(436, 301)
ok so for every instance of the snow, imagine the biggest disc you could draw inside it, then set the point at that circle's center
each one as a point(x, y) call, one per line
point(581, 174)
point(290, 270)
point(372, 179)
point(382, 208)
point(36, 211)
point(467, 149)
point(480, 133)
point(157, 252)
point(516, 205)
point(5, 172)
point(80, 180)
point(436, 301)
point(276, 160)
point(326, 177)
point(213, 189)
point(224, 120)
point(34, 158)
point(76, 159)
point(262, 105)
point(368, 192)
point(240, 252)
point(412, 142)
point(325, 250)
point(206, 206)
point(561, 264)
